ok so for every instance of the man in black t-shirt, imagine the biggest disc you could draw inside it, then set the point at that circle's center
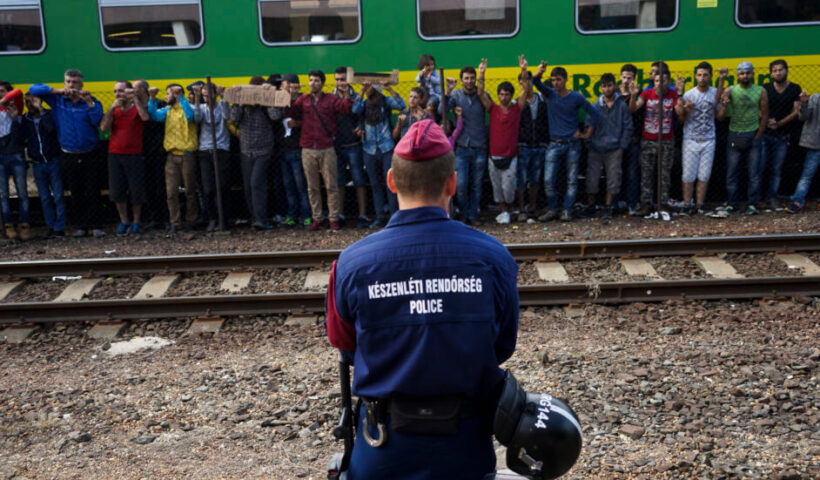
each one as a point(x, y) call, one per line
point(782, 125)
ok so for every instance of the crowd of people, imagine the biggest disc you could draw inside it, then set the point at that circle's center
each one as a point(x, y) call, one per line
point(182, 142)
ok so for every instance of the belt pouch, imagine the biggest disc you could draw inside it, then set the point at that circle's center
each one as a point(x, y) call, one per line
point(425, 416)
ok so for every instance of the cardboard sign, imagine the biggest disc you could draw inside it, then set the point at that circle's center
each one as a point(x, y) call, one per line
point(257, 95)
point(374, 78)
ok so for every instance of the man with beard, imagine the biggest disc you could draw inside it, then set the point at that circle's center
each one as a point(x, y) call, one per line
point(749, 107)
point(181, 165)
point(293, 177)
point(780, 128)
point(349, 150)
point(202, 115)
point(471, 146)
point(155, 213)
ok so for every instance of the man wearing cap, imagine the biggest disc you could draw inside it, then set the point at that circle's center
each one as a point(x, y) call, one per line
point(426, 309)
point(748, 106)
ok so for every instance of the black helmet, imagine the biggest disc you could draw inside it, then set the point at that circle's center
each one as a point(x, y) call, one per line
point(542, 434)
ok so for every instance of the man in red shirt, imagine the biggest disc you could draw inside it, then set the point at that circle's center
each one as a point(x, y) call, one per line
point(126, 168)
point(505, 119)
point(649, 143)
point(318, 112)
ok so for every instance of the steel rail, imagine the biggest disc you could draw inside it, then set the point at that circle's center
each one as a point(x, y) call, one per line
point(313, 303)
point(316, 258)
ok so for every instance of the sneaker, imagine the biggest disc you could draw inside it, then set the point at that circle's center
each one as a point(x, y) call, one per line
point(59, 234)
point(122, 228)
point(287, 222)
point(363, 222)
point(377, 223)
point(307, 222)
point(474, 222)
point(503, 218)
point(335, 226)
point(173, 229)
point(773, 205)
point(522, 217)
point(316, 225)
point(642, 212)
point(566, 216)
point(98, 233)
point(342, 220)
point(609, 210)
point(590, 211)
point(547, 216)
point(751, 209)
point(686, 211)
point(211, 226)
point(136, 229)
point(261, 226)
point(633, 210)
point(794, 207)
point(80, 233)
point(24, 231)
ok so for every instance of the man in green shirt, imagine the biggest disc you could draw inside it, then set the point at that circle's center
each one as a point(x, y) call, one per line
point(748, 107)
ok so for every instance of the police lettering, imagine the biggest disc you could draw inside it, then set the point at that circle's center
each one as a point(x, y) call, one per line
point(411, 286)
point(433, 305)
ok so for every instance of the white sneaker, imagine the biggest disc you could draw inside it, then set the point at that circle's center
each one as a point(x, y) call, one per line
point(503, 218)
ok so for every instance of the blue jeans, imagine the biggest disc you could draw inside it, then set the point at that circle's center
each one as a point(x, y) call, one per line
point(733, 157)
point(773, 153)
point(13, 165)
point(377, 166)
point(570, 153)
point(50, 189)
point(530, 163)
point(632, 173)
point(353, 157)
point(295, 185)
point(470, 167)
point(809, 169)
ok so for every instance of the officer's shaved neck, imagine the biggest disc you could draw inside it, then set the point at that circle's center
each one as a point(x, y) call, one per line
point(408, 201)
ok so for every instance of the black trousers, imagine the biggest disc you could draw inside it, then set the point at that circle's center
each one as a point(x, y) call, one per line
point(83, 175)
point(209, 184)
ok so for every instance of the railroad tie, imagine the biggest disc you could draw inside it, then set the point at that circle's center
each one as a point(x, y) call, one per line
point(78, 289)
point(639, 267)
point(157, 286)
point(717, 267)
point(7, 288)
point(236, 281)
point(552, 272)
point(801, 262)
point(317, 280)
point(17, 334)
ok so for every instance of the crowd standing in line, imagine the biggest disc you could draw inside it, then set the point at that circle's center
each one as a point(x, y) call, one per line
point(330, 139)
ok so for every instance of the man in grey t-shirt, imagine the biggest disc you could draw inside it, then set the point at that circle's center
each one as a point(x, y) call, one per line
point(697, 111)
point(471, 146)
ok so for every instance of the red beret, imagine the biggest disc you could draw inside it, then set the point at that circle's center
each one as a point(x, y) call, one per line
point(424, 141)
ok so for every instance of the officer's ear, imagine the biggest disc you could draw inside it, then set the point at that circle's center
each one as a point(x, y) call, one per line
point(391, 183)
point(450, 184)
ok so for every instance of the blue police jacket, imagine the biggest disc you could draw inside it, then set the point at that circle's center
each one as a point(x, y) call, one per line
point(428, 306)
point(77, 123)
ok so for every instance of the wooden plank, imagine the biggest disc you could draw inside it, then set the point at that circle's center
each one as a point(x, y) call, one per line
point(7, 288)
point(78, 289)
point(157, 286)
point(795, 260)
point(257, 95)
point(16, 334)
point(372, 77)
point(552, 272)
point(106, 331)
point(206, 325)
point(638, 267)
point(236, 281)
point(317, 280)
point(717, 267)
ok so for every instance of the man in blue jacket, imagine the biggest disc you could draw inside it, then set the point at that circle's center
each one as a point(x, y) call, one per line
point(606, 146)
point(427, 309)
point(40, 132)
point(78, 116)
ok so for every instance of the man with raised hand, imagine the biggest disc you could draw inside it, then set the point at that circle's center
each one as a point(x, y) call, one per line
point(565, 145)
point(749, 106)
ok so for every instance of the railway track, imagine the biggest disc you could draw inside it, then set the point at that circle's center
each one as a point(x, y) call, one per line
point(643, 286)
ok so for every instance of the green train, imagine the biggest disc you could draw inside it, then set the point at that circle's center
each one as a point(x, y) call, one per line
point(183, 40)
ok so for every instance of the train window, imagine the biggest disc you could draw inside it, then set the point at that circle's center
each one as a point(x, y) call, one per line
point(768, 13)
point(448, 19)
point(151, 24)
point(308, 22)
point(21, 27)
point(616, 16)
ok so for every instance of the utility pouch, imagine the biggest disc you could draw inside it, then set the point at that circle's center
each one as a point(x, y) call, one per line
point(501, 163)
point(740, 142)
point(426, 416)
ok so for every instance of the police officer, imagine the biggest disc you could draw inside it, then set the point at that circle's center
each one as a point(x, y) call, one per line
point(427, 309)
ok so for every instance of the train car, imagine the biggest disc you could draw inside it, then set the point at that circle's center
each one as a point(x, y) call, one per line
point(184, 40)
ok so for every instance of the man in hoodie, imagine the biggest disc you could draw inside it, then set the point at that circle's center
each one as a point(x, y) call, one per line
point(12, 162)
point(202, 115)
point(78, 117)
point(40, 132)
point(606, 146)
